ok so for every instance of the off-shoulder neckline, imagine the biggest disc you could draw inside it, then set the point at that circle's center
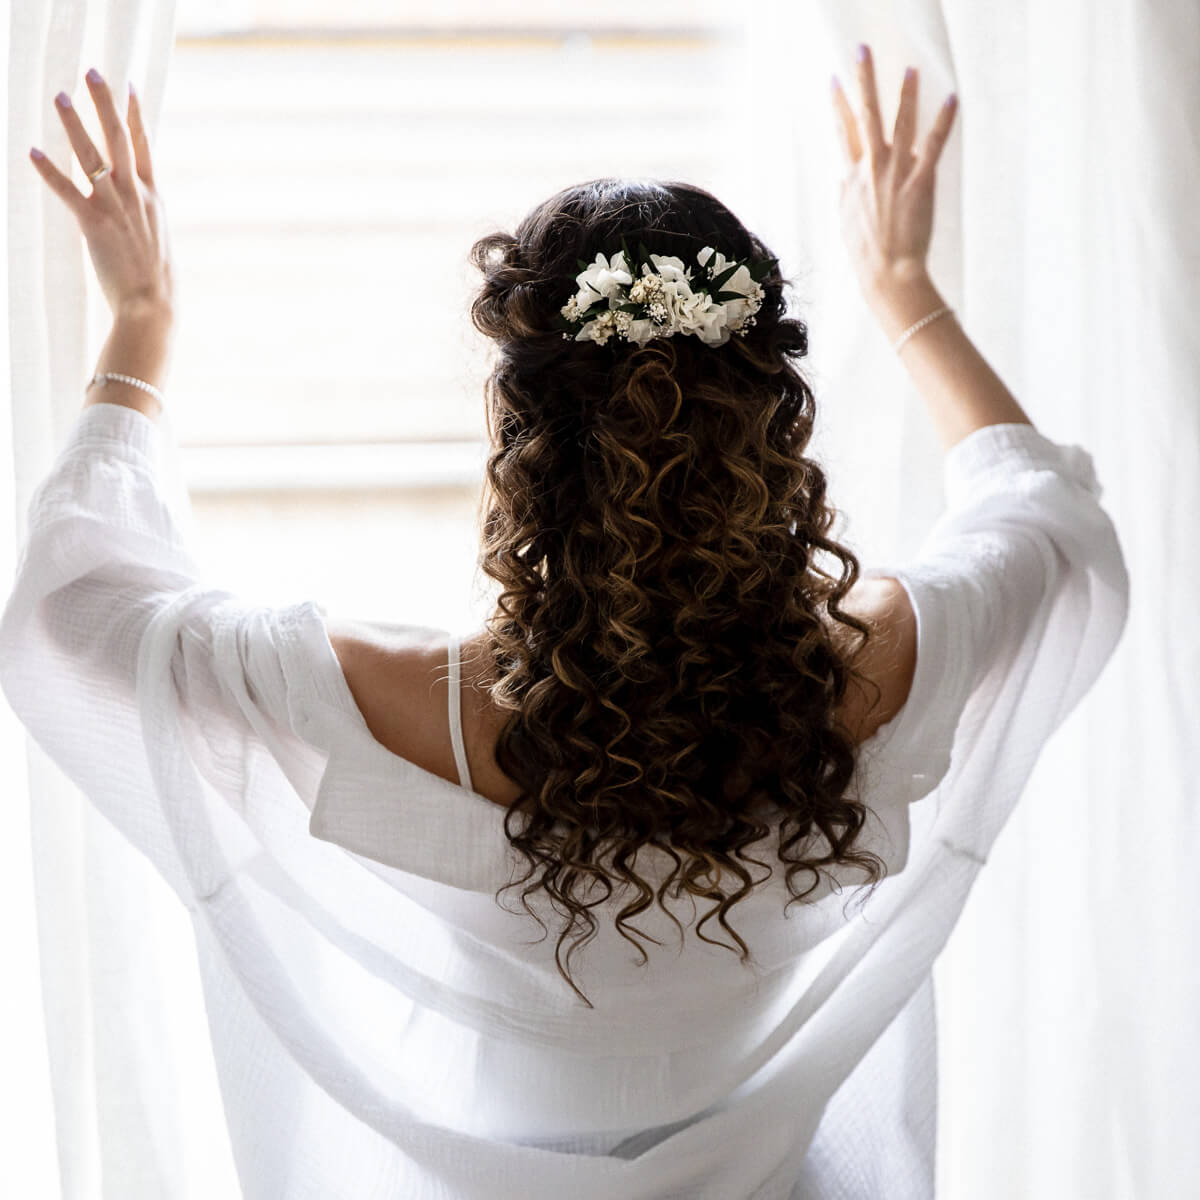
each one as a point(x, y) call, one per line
point(884, 736)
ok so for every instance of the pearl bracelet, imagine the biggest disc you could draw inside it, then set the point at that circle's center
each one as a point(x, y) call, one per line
point(102, 377)
point(937, 312)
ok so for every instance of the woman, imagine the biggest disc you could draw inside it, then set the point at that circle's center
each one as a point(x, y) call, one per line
point(674, 689)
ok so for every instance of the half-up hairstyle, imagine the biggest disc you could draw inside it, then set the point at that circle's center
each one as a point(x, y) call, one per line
point(662, 635)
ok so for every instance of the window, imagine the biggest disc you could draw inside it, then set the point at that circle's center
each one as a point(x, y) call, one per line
point(326, 167)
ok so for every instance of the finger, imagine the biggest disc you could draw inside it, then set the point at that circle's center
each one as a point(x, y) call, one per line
point(60, 185)
point(89, 157)
point(872, 123)
point(906, 117)
point(141, 140)
point(847, 125)
point(935, 139)
point(120, 149)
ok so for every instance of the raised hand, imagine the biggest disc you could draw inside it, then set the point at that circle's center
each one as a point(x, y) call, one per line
point(887, 192)
point(123, 218)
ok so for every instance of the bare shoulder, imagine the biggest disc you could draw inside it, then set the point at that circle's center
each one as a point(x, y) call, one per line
point(889, 658)
point(363, 643)
point(391, 672)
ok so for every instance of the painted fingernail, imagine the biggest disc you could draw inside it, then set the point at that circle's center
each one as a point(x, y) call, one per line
point(34, 152)
point(952, 100)
point(910, 74)
point(835, 83)
point(94, 76)
point(63, 100)
point(131, 91)
point(862, 51)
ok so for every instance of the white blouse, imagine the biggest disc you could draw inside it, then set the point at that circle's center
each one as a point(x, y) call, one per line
point(382, 1025)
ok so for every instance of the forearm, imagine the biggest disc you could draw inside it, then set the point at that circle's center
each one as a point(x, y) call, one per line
point(139, 345)
point(960, 389)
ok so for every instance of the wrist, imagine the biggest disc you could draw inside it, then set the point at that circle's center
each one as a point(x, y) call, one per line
point(139, 345)
point(146, 309)
point(897, 302)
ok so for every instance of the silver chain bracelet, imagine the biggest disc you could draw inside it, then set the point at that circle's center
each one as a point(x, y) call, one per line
point(102, 377)
point(937, 312)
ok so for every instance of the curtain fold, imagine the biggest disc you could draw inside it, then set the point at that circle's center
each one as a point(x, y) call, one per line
point(122, 1046)
point(1066, 239)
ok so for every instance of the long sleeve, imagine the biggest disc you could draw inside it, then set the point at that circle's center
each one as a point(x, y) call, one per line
point(1021, 594)
point(104, 561)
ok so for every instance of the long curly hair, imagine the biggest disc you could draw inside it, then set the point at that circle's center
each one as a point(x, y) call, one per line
point(654, 524)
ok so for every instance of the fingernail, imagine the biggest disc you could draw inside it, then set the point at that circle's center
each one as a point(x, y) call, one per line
point(94, 76)
point(952, 100)
point(835, 83)
point(862, 51)
point(63, 100)
point(131, 91)
point(910, 74)
point(34, 152)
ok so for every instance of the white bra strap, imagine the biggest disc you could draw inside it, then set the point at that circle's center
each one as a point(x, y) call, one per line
point(456, 736)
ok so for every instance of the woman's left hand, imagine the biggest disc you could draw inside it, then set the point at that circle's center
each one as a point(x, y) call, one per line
point(123, 219)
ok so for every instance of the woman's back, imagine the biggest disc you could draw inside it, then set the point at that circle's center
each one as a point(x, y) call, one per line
point(399, 678)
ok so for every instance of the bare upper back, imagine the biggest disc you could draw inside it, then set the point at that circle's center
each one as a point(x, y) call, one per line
point(400, 685)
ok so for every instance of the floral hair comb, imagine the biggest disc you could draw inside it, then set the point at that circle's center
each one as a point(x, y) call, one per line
point(642, 296)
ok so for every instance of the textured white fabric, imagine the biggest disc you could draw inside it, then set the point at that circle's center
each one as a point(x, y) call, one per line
point(382, 1028)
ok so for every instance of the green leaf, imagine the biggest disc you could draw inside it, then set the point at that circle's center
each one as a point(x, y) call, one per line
point(760, 270)
point(643, 253)
point(583, 266)
point(724, 277)
point(723, 296)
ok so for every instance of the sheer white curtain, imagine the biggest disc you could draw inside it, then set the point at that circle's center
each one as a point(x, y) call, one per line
point(1067, 239)
point(104, 1033)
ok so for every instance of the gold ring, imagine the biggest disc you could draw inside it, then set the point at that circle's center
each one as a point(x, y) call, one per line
point(98, 173)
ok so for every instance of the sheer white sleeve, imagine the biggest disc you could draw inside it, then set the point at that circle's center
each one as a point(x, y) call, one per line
point(104, 563)
point(1020, 592)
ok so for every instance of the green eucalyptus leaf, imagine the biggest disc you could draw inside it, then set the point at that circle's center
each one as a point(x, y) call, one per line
point(721, 297)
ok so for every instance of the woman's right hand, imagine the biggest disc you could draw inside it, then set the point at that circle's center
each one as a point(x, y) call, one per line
point(887, 192)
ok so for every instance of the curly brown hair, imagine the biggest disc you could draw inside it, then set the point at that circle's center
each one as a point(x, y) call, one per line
point(654, 525)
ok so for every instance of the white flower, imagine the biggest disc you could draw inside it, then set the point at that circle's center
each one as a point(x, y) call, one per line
point(670, 268)
point(741, 312)
point(738, 312)
point(641, 331)
point(598, 330)
point(605, 277)
point(740, 281)
point(678, 298)
point(706, 318)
